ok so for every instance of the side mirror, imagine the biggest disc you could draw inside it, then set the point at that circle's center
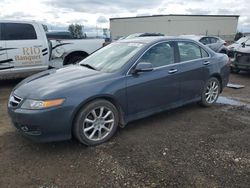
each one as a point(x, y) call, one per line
point(243, 44)
point(143, 67)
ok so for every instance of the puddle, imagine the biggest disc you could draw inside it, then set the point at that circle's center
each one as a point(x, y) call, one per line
point(233, 102)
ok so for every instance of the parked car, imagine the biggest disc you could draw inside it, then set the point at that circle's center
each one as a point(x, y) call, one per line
point(142, 35)
point(25, 49)
point(241, 59)
point(215, 43)
point(122, 82)
point(233, 47)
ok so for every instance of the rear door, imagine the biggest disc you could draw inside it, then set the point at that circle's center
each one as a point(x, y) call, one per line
point(23, 45)
point(194, 67)
point(4, 61)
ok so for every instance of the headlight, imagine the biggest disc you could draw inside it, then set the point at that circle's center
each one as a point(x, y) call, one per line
point(36, 104)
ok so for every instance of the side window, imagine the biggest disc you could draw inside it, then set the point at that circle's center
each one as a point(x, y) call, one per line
point(159, 55)
point(205, 40)
point(19, 31)
point(189, 51)
point(204, 53)
point(213, 40)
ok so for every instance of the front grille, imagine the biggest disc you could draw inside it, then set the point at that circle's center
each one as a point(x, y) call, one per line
point(242, 58)
point(15, 101)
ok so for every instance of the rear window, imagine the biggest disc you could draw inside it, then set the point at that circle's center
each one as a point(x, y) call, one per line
point(18, 31)
point(190, 51)
point(213, 40)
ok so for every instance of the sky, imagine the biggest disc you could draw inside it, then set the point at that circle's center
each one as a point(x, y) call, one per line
point(58, 14)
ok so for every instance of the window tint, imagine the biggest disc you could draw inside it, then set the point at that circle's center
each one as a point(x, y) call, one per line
point(205, 40)
point(189, 51)
point(213, 40)
point(159, 55)
point(17, 31)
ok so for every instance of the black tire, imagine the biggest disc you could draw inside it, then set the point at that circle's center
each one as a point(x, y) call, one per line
point(223, 51)
point(204, 101)
point(74, 60)
point(234, 70)
point(84, 115)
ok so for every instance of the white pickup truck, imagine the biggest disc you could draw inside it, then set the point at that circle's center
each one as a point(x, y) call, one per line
point(25, 49)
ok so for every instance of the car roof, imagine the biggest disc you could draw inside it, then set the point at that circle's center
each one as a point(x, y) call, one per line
point(194, 37)
point(18, 21)
point(147, 40)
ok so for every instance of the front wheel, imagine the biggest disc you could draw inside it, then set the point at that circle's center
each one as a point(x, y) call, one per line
point(210, 92)
point(96, 122)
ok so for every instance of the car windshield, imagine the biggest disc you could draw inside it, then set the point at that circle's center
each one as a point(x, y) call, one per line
point(247, 43)
point(242, 39)
point(112, 57)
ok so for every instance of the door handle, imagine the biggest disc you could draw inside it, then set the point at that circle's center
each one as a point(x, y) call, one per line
point(172, 71)
point(206, 63)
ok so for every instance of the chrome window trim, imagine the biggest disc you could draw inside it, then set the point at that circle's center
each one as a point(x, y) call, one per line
point(177, 63)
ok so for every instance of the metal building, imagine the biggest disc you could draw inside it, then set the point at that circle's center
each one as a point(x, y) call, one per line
point(224, 26)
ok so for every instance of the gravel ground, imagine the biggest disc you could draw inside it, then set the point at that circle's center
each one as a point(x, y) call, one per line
point(187, 147)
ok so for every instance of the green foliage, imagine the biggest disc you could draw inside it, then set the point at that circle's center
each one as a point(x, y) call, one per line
point(238, 36)
point(76, 30)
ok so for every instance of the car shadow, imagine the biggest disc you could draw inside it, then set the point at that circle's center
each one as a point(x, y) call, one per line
point(10, 82)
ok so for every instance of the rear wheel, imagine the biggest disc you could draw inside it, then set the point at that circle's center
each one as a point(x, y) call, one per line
point(96, 122)
point(210, 92)
point(223, 51)
point(75, 59)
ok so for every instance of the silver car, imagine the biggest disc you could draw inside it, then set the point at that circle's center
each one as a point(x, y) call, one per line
point(236, 45)
point(215, 43)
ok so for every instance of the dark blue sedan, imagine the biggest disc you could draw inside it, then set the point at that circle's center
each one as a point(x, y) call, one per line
point(122, 82)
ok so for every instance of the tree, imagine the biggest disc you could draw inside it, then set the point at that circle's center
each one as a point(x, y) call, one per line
point(76, 30)
point(238, 36)
point(45, 27)
point(105, 32)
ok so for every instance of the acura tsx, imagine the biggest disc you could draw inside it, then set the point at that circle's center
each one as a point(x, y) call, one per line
point(122, 82)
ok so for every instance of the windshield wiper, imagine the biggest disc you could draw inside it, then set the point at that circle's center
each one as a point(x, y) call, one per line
point(88, 66)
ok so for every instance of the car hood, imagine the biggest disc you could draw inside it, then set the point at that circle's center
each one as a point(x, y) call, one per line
point(44, 84)
point(233, 46)
point(243, 50)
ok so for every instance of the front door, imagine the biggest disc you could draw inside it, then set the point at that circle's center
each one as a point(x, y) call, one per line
point(4, 61)
point(153, 91)
point(23, 45)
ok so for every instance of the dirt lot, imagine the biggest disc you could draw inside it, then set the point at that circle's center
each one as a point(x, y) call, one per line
point(187, 147)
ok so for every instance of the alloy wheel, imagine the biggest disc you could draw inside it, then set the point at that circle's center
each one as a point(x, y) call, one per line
point(212, 92)
point(98, 123)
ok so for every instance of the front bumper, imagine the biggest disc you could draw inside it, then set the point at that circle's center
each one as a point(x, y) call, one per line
point(47, 125)
point(237, 65)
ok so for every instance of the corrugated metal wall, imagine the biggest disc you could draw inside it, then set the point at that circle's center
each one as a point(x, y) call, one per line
point(224, 26)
